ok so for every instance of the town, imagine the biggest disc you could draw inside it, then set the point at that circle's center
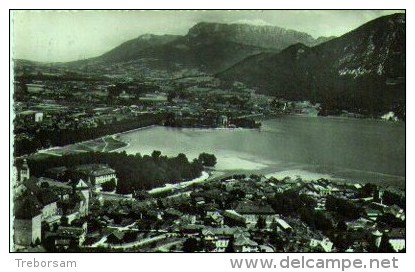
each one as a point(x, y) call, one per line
point(236, 213)
point(57, 110)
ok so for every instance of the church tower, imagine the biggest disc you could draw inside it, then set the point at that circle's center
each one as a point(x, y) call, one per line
point(24, 172)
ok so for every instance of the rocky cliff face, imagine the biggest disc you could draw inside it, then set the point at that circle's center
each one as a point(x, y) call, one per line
point(361, 70)
point(260, 36)
point(209, 47)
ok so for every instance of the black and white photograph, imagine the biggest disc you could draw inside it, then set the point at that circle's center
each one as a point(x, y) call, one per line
point(202, 131)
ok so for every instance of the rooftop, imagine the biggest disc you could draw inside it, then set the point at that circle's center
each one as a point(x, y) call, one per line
point(102, 172)
point(69, 231)
point(242, 240)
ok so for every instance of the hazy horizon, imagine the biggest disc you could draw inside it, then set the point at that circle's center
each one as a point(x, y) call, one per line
point(59, 36)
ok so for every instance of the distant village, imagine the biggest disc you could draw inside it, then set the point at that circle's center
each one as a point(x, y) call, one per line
point(57, 112)
point(238, 213)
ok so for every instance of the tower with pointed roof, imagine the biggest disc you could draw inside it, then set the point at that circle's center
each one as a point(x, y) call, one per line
point(24, 172)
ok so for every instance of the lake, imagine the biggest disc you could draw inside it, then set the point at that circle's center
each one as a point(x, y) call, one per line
point(361, 150)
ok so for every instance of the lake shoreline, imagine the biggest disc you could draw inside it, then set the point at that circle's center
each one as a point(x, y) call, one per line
point(312, 176)
point(240, 160)
point(236, 162)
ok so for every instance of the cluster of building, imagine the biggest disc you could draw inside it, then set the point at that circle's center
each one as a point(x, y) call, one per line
point(235, 214)
point(41, 101)
point(52, 209)
point(43, 108)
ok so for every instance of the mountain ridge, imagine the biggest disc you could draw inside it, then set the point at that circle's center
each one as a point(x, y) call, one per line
point(198, 48)
point(351, 69)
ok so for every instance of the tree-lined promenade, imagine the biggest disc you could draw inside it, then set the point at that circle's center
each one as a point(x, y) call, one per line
point(43, 138)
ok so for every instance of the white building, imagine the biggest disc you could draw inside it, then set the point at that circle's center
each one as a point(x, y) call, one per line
point(38, 117)
point(325, 244)
point(101, 176)
point(49, 210)
point(97, 173)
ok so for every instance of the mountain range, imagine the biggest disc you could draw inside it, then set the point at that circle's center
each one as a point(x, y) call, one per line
point(363, 70)
point(208, 47)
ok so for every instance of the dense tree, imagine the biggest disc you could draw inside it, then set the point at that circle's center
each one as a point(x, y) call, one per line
point(109, 186)
point(274, 226)
point(246, 123)
point(322, 222)
point(191, 245)
point(277, 241)
point(343, 207)
point(260, 224)
point(341, 226)
point(64, 221)
point(390, 220)
point(315, 219)
point(385, 246)
point(369, 190)
point(307, 216)
point(390, 198)
point(115, 90)
point(170, 96)
point(207, 159)
point(134, 172)
point(290, 202)
point(49, 244)
point(46, 137)
point(341, 241)
point(230, 247)
point(155, 154)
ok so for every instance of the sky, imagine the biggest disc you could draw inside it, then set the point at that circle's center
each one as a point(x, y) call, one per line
point(57, 36)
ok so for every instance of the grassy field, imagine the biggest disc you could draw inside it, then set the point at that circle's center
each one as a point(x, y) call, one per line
point(104, 144)
point(112, 144)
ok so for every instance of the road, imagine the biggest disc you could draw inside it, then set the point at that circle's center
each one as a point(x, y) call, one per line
point(141, 242)
point(166, 247)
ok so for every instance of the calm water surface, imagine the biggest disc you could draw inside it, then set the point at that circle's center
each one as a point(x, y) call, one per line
point(366, 150)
